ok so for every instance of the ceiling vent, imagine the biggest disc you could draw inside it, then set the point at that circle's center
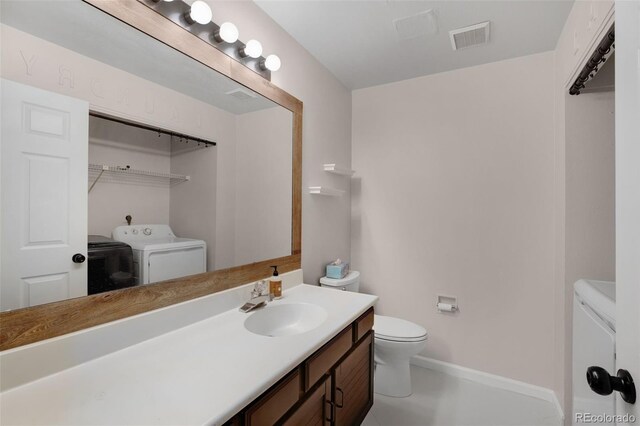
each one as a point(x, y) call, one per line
point(473, 35)
point(422, 24)
point(241, 94)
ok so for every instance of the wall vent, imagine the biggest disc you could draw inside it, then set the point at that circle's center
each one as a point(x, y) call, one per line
point(473, 35)
point(241, 94)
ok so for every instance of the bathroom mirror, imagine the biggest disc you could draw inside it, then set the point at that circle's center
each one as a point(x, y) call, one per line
point(199, 154)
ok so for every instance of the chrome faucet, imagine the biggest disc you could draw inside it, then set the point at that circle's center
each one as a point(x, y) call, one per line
point(257, 298)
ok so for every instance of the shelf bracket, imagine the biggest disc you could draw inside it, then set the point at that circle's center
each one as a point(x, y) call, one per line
point(98, 178)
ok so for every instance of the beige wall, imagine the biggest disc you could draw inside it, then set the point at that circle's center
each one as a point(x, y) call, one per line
point(590, 187)
point(239, 195)
point(263, 185)
point(226, 200)
point(455, 195)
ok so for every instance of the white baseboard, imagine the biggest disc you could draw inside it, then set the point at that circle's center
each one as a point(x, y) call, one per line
point(489, 380)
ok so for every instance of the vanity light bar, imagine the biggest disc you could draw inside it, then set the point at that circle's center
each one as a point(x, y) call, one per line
point(253, 49)
point(226, 33)
point(271, 63)
point(197, 19)
point(199, 12)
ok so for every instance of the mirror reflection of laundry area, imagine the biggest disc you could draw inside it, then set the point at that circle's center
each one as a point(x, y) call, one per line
point(168, 169)
point(136, 170)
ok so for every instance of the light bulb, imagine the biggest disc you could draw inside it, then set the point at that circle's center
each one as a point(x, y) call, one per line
point(272, 63)
point(227, 32)
point(199, 12)
point(253, 49)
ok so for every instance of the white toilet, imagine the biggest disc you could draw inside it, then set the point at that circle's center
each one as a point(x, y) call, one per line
point(396, 341)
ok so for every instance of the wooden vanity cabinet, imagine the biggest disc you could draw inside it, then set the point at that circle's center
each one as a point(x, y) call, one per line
point(334, 386)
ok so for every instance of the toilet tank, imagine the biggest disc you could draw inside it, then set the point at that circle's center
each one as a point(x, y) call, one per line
point(349, 283)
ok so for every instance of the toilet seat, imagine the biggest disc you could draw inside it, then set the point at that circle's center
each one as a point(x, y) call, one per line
point(398, 330)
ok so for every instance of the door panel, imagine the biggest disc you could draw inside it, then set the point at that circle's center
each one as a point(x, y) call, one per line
point(45, 289)
point(593, 344)
point(353, 394)
point(316, 410)
point(628, 196)
point(45, 121)
point(46, 200)
point(44, 196)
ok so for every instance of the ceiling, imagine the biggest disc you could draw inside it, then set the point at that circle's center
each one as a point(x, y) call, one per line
point(357, 40)
point(84, 29)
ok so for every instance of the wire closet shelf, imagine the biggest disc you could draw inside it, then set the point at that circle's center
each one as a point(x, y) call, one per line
point(126, 174)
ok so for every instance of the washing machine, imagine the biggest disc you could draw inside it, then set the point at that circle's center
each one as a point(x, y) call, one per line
point(159, 255)
point(594, 344)
point(110, 265)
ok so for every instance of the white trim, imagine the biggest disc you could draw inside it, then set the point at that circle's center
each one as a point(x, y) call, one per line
point(489, 380)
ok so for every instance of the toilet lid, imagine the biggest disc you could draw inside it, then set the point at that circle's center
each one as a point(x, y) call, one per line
point(396, 329)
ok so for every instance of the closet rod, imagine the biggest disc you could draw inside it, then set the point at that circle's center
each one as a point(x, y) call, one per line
point(153, 129)
point(598, 57)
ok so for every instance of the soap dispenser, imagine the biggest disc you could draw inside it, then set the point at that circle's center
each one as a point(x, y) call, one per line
point(275, 284)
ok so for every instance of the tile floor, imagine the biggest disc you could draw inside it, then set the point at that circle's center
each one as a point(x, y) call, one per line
point(442, 400)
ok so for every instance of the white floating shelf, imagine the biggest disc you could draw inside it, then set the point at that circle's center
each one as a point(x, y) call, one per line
point(323, 190)
point(334, 168)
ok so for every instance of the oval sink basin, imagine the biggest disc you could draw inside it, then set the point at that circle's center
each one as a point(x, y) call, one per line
point(285, 320)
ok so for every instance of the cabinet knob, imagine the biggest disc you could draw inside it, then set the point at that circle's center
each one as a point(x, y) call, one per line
point(602, 383)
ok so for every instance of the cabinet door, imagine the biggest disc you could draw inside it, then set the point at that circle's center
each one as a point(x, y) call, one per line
point(316, 410)
point(272, 405)
point(353, 381)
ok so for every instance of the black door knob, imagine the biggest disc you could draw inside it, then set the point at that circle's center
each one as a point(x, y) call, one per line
point(78, 258)
point(601, 382)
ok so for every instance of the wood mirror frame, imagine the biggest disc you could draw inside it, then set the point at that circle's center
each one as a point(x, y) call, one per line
point(29, 325)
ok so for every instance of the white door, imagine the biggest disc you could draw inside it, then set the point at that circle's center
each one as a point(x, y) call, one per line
point(628, 195)
point(44, 196)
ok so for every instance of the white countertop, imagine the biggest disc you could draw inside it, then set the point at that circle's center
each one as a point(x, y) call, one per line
point(203, 373)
